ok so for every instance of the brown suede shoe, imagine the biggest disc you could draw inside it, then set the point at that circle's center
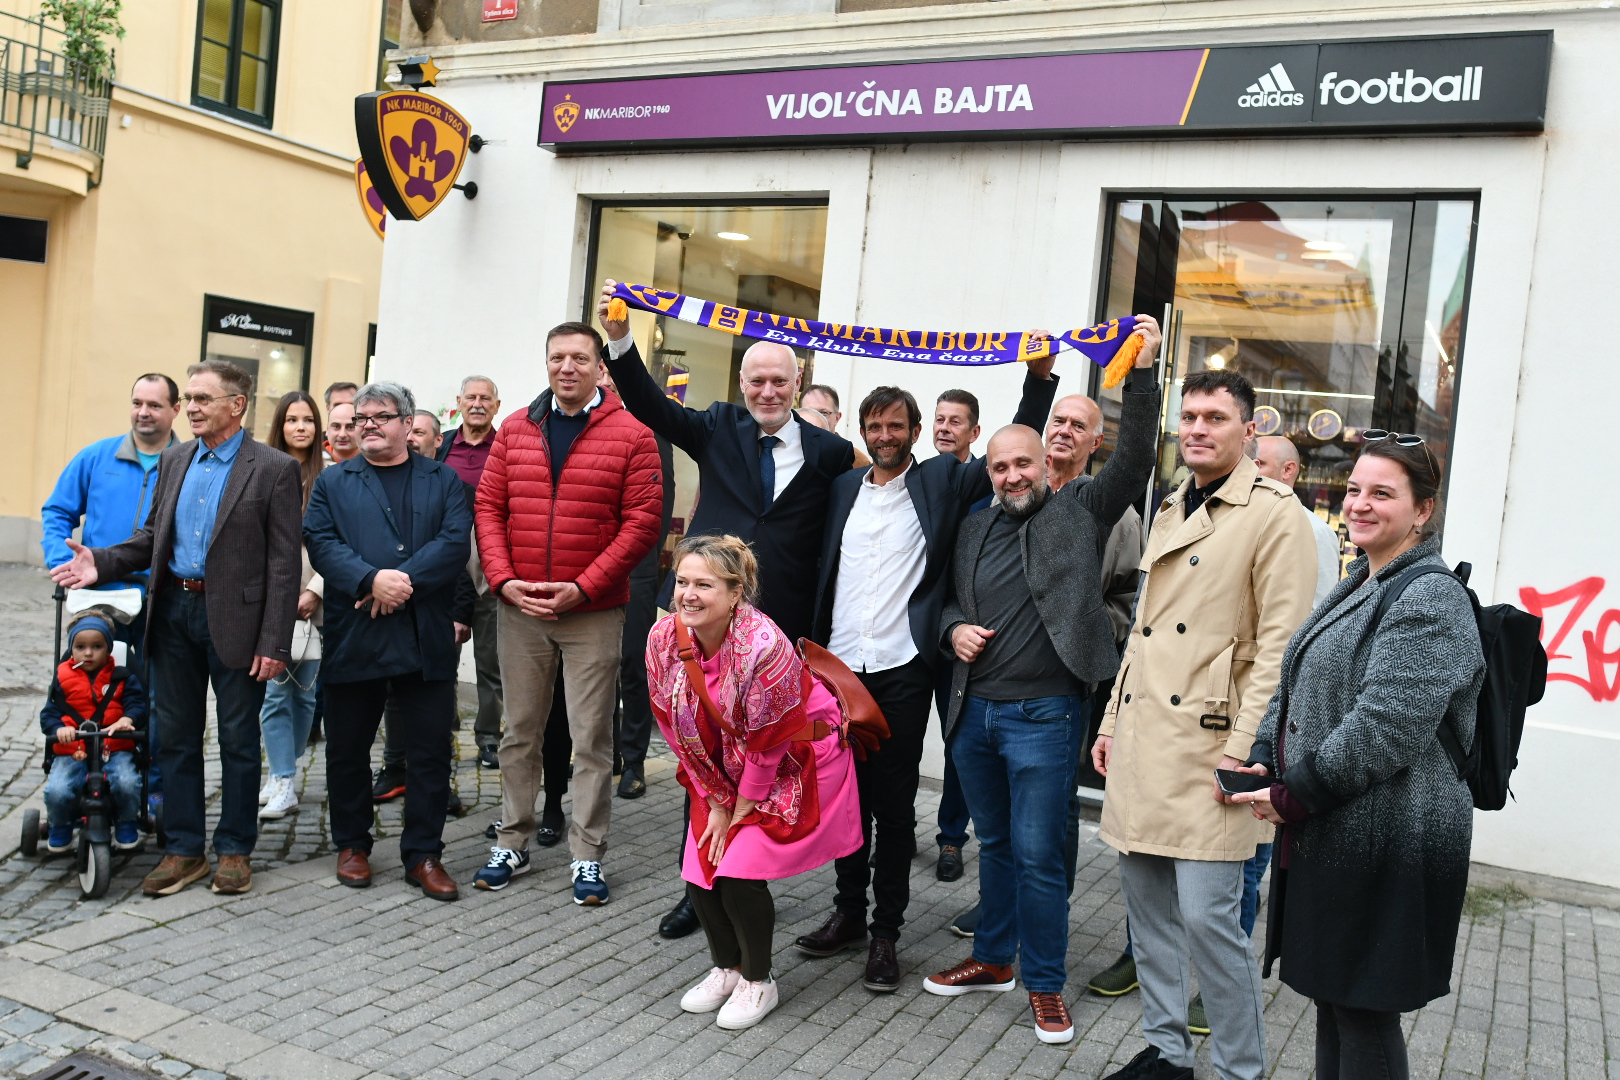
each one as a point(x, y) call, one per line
point(431, 877)
point(354, 868)
point(838, 933)
point(1052, 1022)
point(174, 873)
point(968, 976)
point(234, 875)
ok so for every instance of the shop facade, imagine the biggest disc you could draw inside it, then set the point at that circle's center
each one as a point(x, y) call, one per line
point(1382, 223)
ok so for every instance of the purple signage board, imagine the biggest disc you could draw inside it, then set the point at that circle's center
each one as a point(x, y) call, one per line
point(1477, 82)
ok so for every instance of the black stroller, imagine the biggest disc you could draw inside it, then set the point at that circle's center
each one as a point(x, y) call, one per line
point(93, 852)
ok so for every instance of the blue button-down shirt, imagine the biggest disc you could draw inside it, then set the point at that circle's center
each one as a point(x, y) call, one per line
point(198, 505)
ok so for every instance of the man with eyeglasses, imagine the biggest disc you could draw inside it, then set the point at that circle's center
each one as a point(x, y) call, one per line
point(823, 401)
point(390, 532)
point(1231, 567)
point(223, 549)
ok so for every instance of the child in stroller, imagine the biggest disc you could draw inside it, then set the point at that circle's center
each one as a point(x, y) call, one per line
point(89, 687)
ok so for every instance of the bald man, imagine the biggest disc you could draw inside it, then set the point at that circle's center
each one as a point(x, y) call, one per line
point(1025, 622)
point(1278, 458)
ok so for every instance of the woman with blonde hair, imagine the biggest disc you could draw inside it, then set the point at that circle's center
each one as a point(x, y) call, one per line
point(760, 749)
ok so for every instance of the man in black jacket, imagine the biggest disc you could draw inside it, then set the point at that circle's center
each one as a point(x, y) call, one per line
point(890, 532)
point(764, 473)
point(390, 532)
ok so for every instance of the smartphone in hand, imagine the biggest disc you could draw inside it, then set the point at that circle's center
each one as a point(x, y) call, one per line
point(1233, 782)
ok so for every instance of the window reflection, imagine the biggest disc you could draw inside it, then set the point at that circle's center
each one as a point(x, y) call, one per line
point(1344, 314)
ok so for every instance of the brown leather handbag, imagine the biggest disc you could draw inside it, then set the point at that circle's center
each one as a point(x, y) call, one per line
point(865, 727)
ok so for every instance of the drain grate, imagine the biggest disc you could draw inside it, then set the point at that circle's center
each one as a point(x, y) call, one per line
point(85, 1066)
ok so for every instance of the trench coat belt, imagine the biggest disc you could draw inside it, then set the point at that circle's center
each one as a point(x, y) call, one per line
point(1217, 700)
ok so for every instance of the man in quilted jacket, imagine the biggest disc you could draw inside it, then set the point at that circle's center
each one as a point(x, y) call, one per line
point(570, 501)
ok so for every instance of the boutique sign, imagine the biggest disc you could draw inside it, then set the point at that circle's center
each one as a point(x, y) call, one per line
point(1484, 82)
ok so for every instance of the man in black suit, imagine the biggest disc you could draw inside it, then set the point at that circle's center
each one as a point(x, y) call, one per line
point(889, 535)
point(764, 473)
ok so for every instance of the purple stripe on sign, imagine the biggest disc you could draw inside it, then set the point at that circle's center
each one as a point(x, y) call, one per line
point(1086, 91)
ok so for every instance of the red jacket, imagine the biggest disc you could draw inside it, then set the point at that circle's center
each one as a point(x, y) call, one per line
point(590, 527)
point(80, 696)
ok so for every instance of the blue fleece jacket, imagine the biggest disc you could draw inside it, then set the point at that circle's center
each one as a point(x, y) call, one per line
point(106, 486)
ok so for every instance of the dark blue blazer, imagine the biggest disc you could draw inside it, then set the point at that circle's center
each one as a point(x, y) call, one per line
point(349, 533)
point(943, 491)
point(724, 441)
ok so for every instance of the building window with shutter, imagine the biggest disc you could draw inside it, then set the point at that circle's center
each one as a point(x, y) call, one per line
point(235, 68)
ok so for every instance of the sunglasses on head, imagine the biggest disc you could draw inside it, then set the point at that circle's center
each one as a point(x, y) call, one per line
point(1379, 435)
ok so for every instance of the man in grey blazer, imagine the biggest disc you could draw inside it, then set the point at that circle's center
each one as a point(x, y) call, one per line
point(222, 543)
point(1026, 623)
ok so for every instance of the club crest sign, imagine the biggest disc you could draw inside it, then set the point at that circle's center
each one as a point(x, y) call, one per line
point(565, 112)
point(371, 203)
point(413, 147)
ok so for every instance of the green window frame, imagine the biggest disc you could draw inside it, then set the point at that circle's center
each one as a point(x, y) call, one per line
point(234, 68)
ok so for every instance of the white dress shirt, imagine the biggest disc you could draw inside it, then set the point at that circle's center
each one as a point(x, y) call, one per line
point(1327, 555)
point(881, 558)
point(788, 454)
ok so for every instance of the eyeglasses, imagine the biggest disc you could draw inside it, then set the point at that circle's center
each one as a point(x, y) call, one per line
point(377, 420)
point(1379, 435)
point(204, 399)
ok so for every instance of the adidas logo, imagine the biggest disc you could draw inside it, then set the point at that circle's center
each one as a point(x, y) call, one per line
point(1272, 88)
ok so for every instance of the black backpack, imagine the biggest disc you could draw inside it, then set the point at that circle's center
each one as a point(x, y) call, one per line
point(1515, 678)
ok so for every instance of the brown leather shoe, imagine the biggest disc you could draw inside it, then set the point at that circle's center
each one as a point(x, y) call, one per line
point(1052, 1023)
point(174, 873)
point(838, 933)
point(233, 877)
point(431, 877)
point(354, 868)
point(882, 967)
point(970, 975)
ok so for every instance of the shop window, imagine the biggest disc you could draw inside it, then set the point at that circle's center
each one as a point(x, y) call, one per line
point(1345, 314)
point(766, 257)
point(235, 68)
point(270, 343)
point(23, 239)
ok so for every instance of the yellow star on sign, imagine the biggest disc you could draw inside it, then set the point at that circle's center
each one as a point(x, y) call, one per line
point(419, 71)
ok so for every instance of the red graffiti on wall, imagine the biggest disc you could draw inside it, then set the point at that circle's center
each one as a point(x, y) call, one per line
point(1600, 656)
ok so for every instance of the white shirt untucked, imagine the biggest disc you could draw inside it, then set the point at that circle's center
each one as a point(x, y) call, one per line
point(882, 556)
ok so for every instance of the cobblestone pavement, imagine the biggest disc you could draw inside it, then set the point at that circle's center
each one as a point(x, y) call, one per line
point(303, 978)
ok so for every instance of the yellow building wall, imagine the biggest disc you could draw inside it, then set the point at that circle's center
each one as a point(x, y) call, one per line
point(189, 203)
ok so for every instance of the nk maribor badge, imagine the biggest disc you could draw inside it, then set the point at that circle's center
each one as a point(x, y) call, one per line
point(371, 203)
point(565, 113)
point(413, 147)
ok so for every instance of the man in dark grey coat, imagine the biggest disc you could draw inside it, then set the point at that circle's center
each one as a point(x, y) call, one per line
point(1025, 620)
point(222, 544)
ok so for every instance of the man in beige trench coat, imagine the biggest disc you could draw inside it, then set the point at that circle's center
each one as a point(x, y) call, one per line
point(1230, 571)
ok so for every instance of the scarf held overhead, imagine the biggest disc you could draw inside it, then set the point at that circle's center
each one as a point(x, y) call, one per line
point(1110, 345)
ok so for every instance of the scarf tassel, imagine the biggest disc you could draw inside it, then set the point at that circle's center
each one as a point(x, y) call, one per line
point(1120, 366)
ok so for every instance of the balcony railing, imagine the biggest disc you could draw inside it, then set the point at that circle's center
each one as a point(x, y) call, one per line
point(46, 95)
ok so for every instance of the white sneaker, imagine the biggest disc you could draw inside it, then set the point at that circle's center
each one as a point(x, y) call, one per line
point(712, 992)
point(264, 792)
point(282, 798)
point(749, 1003)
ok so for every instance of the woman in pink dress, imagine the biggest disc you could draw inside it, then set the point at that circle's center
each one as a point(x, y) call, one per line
point(758, 748)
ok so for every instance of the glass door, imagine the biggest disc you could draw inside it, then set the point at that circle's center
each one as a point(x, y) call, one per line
point(1345, 314)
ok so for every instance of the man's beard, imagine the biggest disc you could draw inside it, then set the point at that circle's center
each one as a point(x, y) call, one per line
point(889, 457)
point(1024, 504)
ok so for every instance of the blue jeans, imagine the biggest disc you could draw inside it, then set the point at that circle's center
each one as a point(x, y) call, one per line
point(1016, 763)
point(184, 663)
point(67, 777)
point(1253, 871)
point(288, 712)
point(953, 810)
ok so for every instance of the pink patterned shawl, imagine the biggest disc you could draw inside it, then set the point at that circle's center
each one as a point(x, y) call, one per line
point(763, 692)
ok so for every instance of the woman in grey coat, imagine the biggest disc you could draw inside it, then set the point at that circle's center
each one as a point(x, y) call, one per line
point(1376, 826)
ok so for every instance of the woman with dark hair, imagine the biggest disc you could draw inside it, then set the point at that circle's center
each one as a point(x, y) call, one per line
point(758, 743)
point(1375, 825)
point(289, 700)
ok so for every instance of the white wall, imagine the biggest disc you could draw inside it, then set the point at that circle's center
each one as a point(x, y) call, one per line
point(1006, 236)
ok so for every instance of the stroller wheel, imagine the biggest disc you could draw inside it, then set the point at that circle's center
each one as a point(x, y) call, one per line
point(95, 868)
point(30, 832)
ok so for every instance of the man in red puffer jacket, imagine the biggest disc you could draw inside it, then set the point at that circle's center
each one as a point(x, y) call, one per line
point(570, 501)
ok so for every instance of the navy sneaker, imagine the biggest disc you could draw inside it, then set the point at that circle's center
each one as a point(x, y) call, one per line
point(126, 836)
point(504, 864)
point(60, 839)
point(589, 888)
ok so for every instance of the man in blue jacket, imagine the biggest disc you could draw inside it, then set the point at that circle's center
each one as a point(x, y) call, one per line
point(108, 485)
point(390, 532)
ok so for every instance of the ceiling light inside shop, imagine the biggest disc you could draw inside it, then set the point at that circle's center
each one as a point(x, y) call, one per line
point(275, 354)
point(732, 235)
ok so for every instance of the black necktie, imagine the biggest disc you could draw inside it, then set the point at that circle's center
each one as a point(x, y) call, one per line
point(767, 467)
